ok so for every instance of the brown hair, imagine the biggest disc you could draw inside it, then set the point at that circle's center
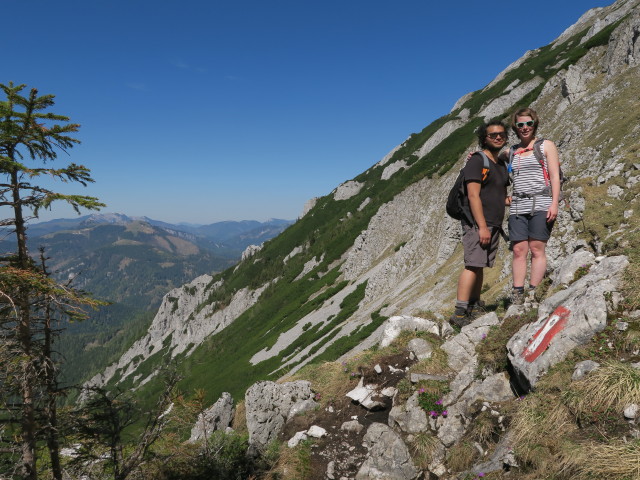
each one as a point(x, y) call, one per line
point(525, 112)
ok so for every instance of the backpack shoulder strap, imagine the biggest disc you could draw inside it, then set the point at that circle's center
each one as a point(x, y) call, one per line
point(537, 151)
point(485, 166)
point(512, 152)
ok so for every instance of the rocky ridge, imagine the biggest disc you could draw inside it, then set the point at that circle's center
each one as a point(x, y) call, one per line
point(170, 333)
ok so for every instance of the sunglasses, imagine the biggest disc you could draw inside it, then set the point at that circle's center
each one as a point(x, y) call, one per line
point(496, 135)
point(530, 123)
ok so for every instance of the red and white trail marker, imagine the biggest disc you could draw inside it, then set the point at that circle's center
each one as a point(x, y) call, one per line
point(542, 338)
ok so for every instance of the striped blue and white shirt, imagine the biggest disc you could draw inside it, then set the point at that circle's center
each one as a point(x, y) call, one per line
point(528, 178)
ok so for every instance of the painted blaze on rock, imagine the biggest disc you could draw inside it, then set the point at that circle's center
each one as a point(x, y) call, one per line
point(542, 338)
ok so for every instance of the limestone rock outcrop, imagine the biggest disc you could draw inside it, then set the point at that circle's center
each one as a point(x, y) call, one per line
point(183, 321)
point(388, 458)
point(217, 417)
point(347, 190)
point(269, 405)
point(566, 320)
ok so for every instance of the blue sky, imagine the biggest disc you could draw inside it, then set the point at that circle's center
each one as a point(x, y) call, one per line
point(202, 111)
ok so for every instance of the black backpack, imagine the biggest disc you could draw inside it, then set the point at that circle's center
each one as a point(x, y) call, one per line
point(457, 201)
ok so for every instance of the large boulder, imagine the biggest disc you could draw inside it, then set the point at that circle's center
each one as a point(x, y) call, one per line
point(495, 388)
point(461, 348)
point(268, 406)
point(566, 320)
point(566, 270)
point(399, 323)
point(388, 457)
point(217, 417)
point(410, 417)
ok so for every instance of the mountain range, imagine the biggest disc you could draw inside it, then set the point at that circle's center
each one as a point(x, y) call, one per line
point(132, 263)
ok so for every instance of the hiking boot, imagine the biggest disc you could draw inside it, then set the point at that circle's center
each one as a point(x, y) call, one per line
point(476, 310)
point(517, 297)
point(460, 318)
point(530, 298)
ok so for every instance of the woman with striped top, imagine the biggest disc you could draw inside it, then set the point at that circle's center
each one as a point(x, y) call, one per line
point(534, 203)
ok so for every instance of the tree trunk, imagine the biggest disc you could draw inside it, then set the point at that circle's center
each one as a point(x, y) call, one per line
point(28, 441)
point(51, 411)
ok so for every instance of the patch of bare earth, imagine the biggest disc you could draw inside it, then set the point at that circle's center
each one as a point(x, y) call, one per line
point(345, 448)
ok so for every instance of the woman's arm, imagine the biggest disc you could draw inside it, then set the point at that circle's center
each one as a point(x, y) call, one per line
point(553, 163)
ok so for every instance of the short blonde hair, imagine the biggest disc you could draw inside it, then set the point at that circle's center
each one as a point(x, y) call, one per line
point(525, 112)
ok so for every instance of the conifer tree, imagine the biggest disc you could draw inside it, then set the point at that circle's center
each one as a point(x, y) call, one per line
point(30, 136)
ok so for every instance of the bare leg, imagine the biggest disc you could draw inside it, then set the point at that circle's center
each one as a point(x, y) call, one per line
point(538, 261)
point(519, 264)
point(467, 282)
point(477, 286)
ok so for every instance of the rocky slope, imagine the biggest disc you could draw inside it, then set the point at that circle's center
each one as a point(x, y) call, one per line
point(433, 402)
point(381, 245)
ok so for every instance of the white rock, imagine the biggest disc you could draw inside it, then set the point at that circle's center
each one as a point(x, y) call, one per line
point(296, 439)
point(316, 432)
point(420, 348)
point(393, 168)
point(365, 395)
point(614, 191)
point(579, 312)
point(395, 325)
point(217, 417)
point(353, 426)
point(583, 368)
point(250, 251)
point(331, 470)
point(389, 392)
point(364, 203)
point(347, 190)
point(622, 326)
point(297, 250)
point(631, 411)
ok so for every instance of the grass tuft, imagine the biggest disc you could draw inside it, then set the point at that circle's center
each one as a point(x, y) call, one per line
point(462, 456)
point(424, 448)
point(331, 379)
point(613, 461)
point(613, 387)
point(539, 427)
point(292, 463)
point(492, 352)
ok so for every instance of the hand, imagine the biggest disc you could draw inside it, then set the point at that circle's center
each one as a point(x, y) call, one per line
point(485, 236)
point(552, 213)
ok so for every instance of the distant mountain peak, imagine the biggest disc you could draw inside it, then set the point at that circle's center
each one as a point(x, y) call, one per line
point(110, 218)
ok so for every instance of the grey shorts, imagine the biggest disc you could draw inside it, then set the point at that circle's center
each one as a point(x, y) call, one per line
point(476, 255)
point(525, 227)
